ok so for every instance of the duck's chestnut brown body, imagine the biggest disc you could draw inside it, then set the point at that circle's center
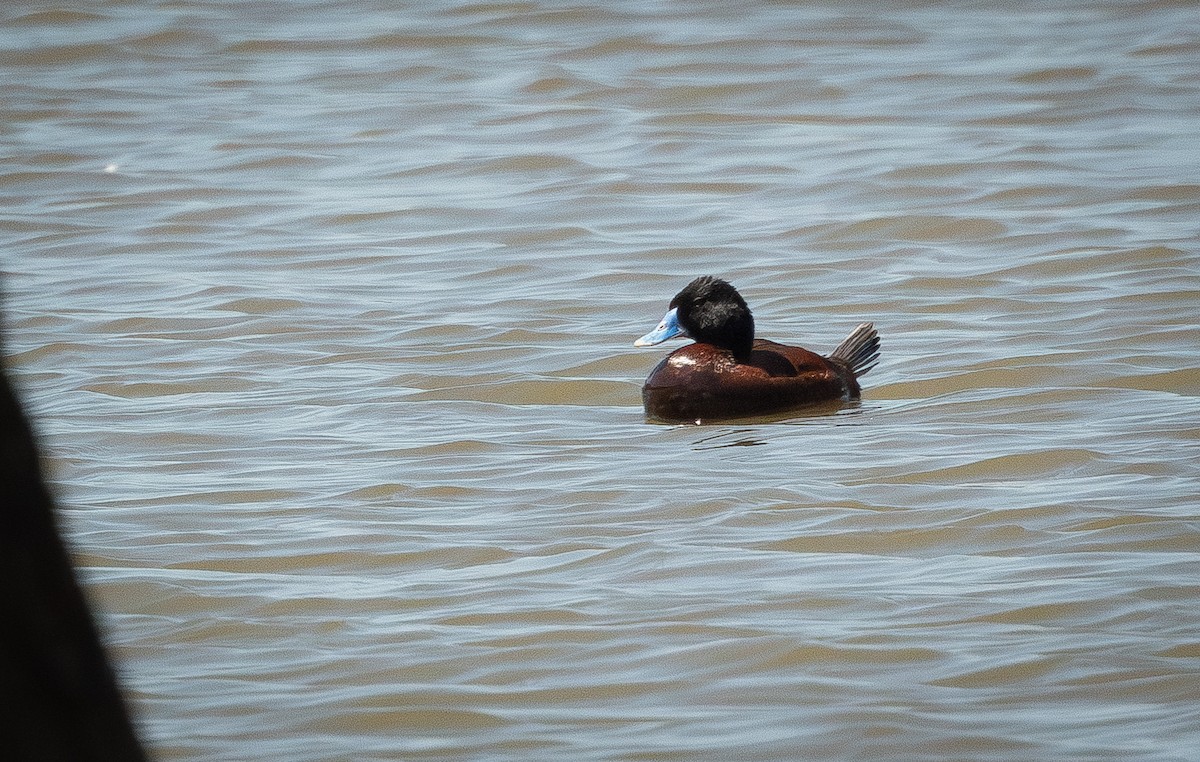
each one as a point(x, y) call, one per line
point(702, 381)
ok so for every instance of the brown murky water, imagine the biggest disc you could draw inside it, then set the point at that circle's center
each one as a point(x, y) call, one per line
point(325, 313)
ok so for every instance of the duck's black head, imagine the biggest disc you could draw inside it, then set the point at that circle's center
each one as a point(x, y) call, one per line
point(711, 311)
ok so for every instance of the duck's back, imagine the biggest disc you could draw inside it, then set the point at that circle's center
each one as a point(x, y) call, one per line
point(701, 381)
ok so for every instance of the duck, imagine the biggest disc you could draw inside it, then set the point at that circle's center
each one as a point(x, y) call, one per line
point(728, 373)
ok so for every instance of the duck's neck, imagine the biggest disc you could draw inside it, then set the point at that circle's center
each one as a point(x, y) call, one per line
point(741, 352)
point(736, 335)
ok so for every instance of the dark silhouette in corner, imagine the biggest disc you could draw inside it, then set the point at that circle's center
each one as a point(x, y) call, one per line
point(59, 698)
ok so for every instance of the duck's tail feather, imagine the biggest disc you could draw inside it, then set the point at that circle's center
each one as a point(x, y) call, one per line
point(860, 350)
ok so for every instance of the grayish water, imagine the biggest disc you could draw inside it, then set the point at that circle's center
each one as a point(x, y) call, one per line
point(324, 311)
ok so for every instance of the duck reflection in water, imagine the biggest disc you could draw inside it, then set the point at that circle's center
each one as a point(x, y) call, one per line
point(727, 373)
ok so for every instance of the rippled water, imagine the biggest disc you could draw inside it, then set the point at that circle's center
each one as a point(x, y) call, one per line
point(325, 311)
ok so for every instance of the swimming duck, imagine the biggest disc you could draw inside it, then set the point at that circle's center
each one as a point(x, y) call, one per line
point(727, 373)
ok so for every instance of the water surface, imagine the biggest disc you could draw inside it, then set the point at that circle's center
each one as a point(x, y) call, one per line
point(324, 313)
